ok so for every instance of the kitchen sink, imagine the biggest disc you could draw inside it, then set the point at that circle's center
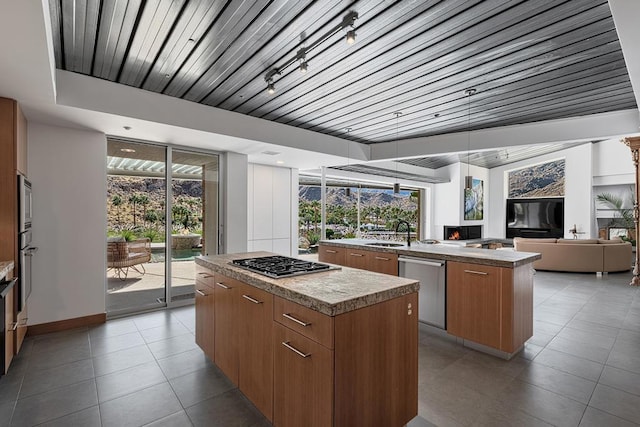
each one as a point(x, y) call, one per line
point(385, 244)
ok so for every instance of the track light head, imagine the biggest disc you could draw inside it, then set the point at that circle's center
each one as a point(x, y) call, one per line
point(351, 36)
point(303, 67)
point(271, 88)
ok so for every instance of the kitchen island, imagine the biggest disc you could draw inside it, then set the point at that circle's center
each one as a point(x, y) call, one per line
point(330, 348)
point(489, 293)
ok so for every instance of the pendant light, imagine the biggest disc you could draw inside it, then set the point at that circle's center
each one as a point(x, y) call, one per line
point(468, 179)
point(347, 191)
point(396, 186)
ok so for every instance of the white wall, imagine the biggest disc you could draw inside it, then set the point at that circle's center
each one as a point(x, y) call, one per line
point(67, 168)
point(448, 200)
point(272, 209)
point(234, 217)
point(612, 163)
point(578, 206)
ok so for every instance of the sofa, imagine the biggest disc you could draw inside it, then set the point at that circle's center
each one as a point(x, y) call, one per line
point(578, 255)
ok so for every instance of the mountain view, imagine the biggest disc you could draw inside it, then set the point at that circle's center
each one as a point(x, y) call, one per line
point(545, 180)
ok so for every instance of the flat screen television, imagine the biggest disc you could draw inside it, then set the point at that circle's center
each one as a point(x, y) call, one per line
point(537, 218)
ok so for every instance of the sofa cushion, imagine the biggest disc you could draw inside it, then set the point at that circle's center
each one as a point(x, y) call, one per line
point(610, 242)
point(578, 241)
point(525, 239)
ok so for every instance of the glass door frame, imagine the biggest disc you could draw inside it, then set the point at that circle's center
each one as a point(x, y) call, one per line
point(168, 176)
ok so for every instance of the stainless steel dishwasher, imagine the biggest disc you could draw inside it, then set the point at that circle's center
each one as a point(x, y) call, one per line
point(432, 298)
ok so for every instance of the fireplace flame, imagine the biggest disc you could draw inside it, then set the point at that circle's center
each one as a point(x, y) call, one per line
point(454, 236)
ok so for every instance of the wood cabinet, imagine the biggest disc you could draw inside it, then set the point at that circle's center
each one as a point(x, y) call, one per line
point(9, 330)
point(365, 361)
point(303, 381)
point(205, 318)
point(492, 306)
point(13, 161)
point(301, 367)
point(378, 261)
point(331, 254)
point(255, 349)
point(226, 326)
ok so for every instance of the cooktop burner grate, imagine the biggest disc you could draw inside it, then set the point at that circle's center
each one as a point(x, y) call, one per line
point(280, 266)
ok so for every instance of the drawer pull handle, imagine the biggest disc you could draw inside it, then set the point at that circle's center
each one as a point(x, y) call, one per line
point(482, 273)
point(253, 300)
point(15, 326)
point(382, 258)
point(222, 285)
point(205, 275)
point(295, 350)
point(356, 254)
point(199, 292)
point(330, 251)
point(299, 322)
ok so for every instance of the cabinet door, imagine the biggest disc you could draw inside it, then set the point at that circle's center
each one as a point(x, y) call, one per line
point(331, 254)
point(475, 309)
point(21, 331)
point(383, 262)
point(356, 258)
point(10, 332)
point(226, 327)
point(205, 319)
point(303, 381)
point(255, 327)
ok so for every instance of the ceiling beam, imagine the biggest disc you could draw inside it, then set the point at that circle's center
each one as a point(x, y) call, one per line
point(576, 129)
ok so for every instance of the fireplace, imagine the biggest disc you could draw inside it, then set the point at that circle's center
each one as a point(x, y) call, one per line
point(462, 232)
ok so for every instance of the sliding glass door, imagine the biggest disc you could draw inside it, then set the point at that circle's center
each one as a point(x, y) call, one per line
point(150, 223)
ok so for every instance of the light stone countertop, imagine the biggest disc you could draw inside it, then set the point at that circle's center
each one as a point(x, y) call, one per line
point(5, 268)
point(446, 252)
point(330, 292)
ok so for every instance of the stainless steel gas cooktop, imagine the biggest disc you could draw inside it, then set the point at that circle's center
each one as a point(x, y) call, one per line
point(280, 266)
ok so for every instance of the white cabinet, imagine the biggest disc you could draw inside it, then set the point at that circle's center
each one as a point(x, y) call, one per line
point(271, 201)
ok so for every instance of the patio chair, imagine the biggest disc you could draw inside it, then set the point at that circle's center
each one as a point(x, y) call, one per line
point(122, 255)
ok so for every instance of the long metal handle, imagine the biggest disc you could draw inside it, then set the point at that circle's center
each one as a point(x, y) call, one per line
point(30, 251)
point(356, 254)
point(253, 300)
point(383, 258)
point(15, 326)
point(199, 292)
point(482, 273)
point(422, 262)
point(299, 322)
point(295, 350)
point(330, 251)
point(222, 285)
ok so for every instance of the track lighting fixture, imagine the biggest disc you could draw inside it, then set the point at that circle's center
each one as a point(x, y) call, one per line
point(351, 36)
point(396, 186)
point(348, 21)
point(468, 179)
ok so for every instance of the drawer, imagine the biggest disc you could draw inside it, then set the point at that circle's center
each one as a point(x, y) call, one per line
point(204, 287)
point(204, 275)
point(308, 322)
point(356, 258)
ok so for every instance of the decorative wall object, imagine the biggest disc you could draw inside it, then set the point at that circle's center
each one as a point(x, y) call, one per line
point(542, 180)
point(474, 201)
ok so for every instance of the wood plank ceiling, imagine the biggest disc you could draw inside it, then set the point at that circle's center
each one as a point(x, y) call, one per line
point(528, 60)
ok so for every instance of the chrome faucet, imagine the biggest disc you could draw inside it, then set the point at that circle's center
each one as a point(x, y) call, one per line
point(408, 230)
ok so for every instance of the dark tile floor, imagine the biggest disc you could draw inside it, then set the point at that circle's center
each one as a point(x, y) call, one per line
point(582, 367)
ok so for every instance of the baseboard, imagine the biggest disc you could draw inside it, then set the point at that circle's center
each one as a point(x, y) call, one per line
point(62, 325)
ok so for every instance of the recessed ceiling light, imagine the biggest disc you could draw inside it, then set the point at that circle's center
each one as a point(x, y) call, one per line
point(280, 162)
point(191, 40)
point(126, 127)
point(127, 150)
point(166, 76)
point(270, 153)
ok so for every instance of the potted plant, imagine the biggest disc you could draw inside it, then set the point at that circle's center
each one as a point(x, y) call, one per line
point(622, 217)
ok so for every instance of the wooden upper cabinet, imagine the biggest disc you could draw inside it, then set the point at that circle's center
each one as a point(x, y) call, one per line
point(21, 140)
